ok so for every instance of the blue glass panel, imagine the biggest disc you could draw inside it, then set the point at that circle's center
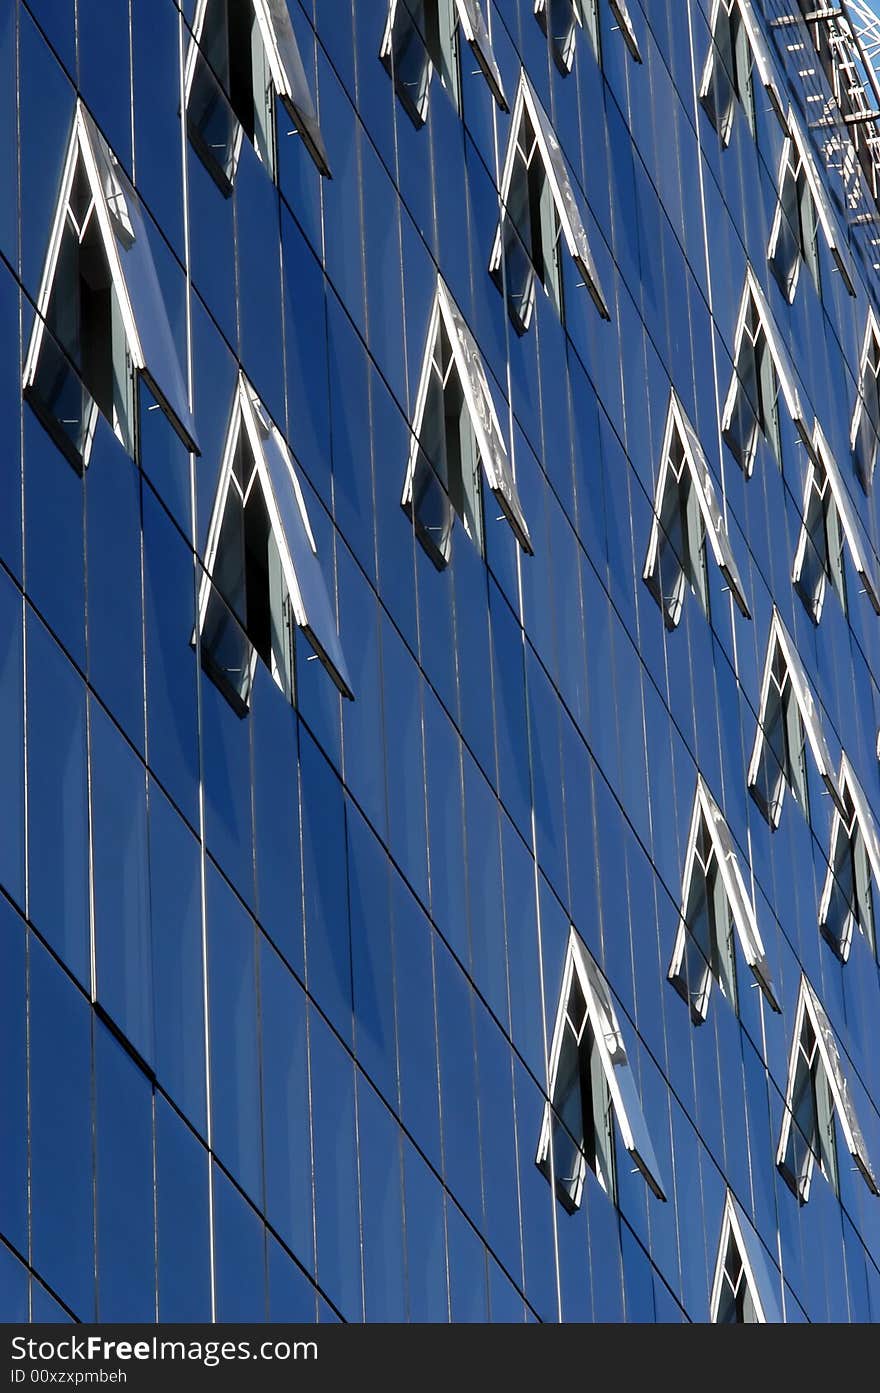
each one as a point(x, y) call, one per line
point(425, 1241)
point(58, 853)
point(115, 620)
point(328, 946)
point(235, 1058)
point(371, 956)
point(176, 933)
point(13, 1080)
point(10, 400)
point(62, 1212)
point(286, 1125)
point(182, 1220)
point(382, 1207)
point(12, 740)
point(122, 948)
point(13, 1287)
point(239, 1255)
point(336, 1172)
point(276, 818)
point(291, 1294)
point(124, 1187)
point(171, 663)
point(419, 1104)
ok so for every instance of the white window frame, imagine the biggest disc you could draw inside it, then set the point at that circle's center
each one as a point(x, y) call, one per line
point(859, 821)
point(602, 1017)
point(287, 72)
point(707, 814)
point(149, 341)
point(797, 156)
point(761, 57)
point(572, 223)
point(825, 480)
point(714, 528)
point(808, 713)
point(810, 1006)
point(491, 450)
point(870, 347)
point(755, 1269)
point(786, 379)
point(295, 553)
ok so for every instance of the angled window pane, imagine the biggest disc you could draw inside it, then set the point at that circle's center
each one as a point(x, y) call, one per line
point(802, 191)
point(243, 53)
point(788, 722)
point(589, 1081)
point(688, 523)
point(456, 432)
point(829, 526)
point(853, 868)
point(738, 54)
point(540, 213)
point(865, 428)
point(715, 908)
point(289, 75)
point(476, 33)
point(101, 320)
point(763, 371)
point(263, 577)
point(620, 10)
point(816, 1095)
point(743, 1290)
point(421, 36)
point(560, 21)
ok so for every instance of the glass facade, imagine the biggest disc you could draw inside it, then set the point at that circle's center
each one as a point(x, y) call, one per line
point(437, 531)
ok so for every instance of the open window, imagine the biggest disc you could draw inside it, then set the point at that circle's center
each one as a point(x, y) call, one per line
point(561, 19)
point(762, 371)
point(263, 579)
point(853, 869)
point(101, 320)
point(737, 54)
point(422, 36)
point(865, 428)
point(456, 433)
point(815, 1094)
point(788, 723)
point(803, 212)
point(243, 54)
point(743, 1290)
point(590, 1083)
point(688, 523)
point(540, 215)
point(829, 526)
point(716, 909)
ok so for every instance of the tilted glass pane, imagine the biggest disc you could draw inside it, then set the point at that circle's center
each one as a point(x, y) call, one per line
point(159, 362)
point(308, 589)
point(289, 75)
point(473, 26)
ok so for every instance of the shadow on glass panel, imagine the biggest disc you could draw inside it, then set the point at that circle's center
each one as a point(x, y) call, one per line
point(242, 55)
